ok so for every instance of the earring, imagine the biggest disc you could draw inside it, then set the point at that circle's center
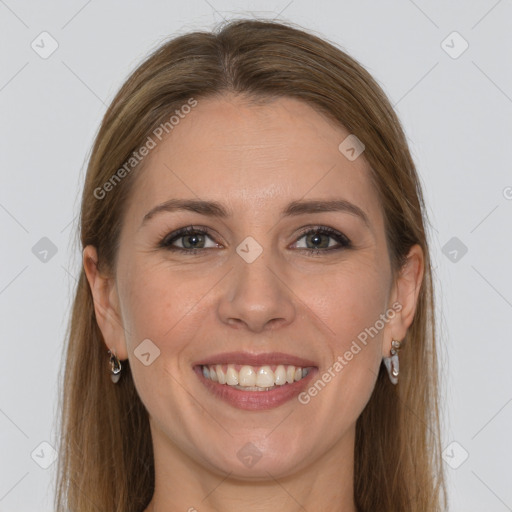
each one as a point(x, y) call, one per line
point(391, 362)
point(115, 367)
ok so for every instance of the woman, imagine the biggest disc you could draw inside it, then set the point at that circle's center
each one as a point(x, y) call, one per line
point(254, 322)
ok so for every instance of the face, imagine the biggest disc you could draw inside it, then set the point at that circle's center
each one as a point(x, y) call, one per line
point(280, 278)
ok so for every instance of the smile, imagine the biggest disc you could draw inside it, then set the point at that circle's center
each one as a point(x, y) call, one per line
point(254, 378)
point(255, 381)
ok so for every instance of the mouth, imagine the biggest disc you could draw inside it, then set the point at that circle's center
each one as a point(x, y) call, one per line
point(254, 378)
point(248, 381)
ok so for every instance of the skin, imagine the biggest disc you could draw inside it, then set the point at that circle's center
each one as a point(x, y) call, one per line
point(254, 160)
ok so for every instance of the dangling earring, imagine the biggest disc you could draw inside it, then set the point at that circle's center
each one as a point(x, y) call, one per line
point(115, 367)
point(391, 362)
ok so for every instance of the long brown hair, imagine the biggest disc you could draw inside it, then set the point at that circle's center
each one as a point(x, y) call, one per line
point(106, 458)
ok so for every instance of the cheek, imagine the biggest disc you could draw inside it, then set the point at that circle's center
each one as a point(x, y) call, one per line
point(158, 302)
point(169, 308)
point(351, 317)
point(348, 301)
point(163, 307)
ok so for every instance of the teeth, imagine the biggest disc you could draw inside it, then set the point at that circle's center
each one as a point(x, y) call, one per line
point(251, 378)
point(280, 375)
point(265, 377)
point(290, 374)
point(231, 376)
point(221, 376)
point(247, 376)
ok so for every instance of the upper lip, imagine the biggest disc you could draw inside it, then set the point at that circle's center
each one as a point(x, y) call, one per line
point(248, 358)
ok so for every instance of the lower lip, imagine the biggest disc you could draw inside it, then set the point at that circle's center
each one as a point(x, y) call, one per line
point(255, 400)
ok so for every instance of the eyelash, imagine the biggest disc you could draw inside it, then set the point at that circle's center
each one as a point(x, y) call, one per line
point(167, 242)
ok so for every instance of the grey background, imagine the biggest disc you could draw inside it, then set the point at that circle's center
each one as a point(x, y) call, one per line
point(457, 116)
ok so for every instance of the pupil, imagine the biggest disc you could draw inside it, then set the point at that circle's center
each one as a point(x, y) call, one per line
point(316, 240)
point(192, 240)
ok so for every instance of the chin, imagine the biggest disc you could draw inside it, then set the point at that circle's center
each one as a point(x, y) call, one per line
point(259, 458)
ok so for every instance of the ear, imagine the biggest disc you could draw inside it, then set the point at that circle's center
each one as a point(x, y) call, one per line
point(404, 298)
point(106, 304)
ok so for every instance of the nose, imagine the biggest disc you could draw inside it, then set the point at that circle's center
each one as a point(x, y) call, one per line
point(256, 297)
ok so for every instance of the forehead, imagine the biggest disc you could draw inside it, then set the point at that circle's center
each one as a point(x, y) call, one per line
point(253, 156)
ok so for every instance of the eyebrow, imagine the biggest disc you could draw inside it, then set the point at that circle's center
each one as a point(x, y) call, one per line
point(215, 209)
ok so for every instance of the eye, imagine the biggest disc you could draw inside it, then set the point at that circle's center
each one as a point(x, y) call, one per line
point(189, 239)
point(322, 239)
point(317, 240)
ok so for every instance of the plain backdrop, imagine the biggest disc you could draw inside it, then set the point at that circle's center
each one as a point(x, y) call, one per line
point(446, 69)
